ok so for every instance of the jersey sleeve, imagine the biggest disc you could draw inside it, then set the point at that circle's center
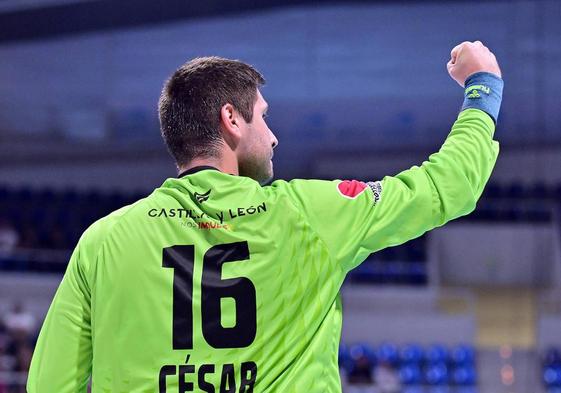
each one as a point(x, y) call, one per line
point(355, 219)
point(63, 355)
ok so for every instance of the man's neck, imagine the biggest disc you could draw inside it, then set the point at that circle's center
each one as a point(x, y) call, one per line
point(222, 164)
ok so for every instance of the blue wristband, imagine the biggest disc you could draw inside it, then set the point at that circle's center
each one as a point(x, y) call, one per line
point(484, 91)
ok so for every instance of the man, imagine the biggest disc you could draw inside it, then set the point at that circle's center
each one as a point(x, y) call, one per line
point(214, 283)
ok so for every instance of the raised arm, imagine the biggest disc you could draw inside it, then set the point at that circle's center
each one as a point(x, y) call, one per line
point(450, 182)
point(355, 219)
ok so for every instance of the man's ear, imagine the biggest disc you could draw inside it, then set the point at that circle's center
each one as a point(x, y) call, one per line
point(230, 121)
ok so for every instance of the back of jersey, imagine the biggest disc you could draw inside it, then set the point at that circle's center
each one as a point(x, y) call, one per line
point(214, 284)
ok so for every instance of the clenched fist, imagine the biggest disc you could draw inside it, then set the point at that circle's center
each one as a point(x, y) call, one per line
point(469, 58)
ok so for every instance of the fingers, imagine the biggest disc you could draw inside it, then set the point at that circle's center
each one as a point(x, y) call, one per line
point(458, 48)
point(469, 57)
point(449, 66)
point(454, 52)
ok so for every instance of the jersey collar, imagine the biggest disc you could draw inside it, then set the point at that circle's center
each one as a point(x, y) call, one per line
point(196, 169)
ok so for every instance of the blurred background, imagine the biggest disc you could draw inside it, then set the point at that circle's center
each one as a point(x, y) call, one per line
point(356, 90)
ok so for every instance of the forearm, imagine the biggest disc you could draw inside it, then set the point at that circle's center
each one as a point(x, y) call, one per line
point(469, 153)
point(459, 171)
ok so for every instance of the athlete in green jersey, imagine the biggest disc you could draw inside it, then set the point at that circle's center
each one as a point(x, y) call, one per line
point(214, 283)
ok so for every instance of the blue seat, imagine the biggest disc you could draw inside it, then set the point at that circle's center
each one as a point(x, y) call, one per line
point(363, 350)
point(388, 353)
point(411, 354)
point(552, 376)
point(437, 354)
point(465, 375)
point(410, 374)
point(463, 355)
point(436, 374)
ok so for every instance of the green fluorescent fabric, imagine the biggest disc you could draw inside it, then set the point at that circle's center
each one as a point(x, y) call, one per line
point(215, 284)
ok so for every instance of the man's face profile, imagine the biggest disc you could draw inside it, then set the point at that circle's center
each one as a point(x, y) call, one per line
point(256, 151)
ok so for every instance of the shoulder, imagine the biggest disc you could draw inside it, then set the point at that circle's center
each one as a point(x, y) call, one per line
point(316, 189)
point(294, 189)
point(296, 185)
point(95, 235)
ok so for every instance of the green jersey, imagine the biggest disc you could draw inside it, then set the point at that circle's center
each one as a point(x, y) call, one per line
point(214, 283)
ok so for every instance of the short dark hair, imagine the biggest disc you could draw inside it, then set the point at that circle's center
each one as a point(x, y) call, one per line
point(191, 100)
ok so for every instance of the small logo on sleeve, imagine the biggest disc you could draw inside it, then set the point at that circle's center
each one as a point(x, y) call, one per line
point(202, 197)
point(351, 188)
point(376, 187)
point(475, 91)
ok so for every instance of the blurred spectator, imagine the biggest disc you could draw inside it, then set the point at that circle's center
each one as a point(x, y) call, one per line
point(361, 374)
point(386, 378)
point(20, 322)
point(23, 358)
point(6, 361)
point(9, 237)
point(22, 363)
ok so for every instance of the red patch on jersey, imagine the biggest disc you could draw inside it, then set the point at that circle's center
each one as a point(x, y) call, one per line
point(351, 188)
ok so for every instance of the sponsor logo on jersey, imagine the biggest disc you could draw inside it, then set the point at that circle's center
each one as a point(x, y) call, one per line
point(351, 188)
point(213, 225)
point(221, 219)
point(376, 187)
point(202, 197)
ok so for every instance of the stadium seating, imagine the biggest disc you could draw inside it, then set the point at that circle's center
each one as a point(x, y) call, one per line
point(551, 370)
point(54, 220)
point(431, 369)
